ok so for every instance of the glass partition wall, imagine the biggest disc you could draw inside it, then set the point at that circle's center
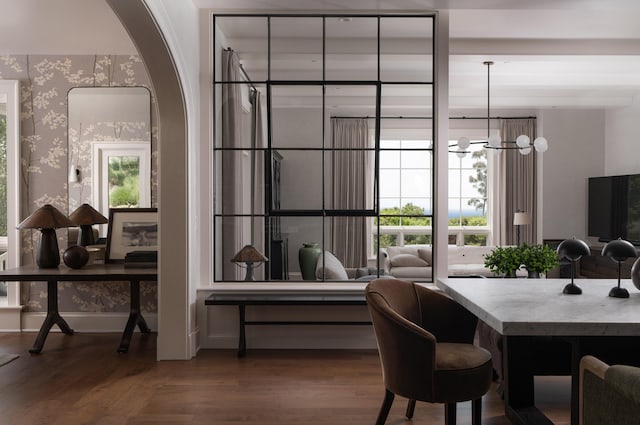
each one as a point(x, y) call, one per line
point(300, 173)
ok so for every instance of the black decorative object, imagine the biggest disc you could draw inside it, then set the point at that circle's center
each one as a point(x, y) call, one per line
point(76, 256)
point(86, 216)
point(573, 249)
point(619, 250)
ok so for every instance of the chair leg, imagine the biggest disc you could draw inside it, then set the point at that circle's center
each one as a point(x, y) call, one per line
point(410, 408)
point(450, 414)
point(386, 406)
point(476, 412)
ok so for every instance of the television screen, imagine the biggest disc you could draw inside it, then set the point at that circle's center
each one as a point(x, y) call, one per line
point(633, 209)
point(600, 191)
point(614, 208)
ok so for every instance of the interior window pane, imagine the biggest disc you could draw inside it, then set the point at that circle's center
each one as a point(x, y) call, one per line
point(454, 211)
point(406, 49)
point(415, 183)
point(475, 207)
point(416, 159)
point(301, 180)
point(351, 48)
point(389, 203)
point(389, 144)
point(296, 116)
point(417, 144)
point(226, 247)
point(389, 183)
point(470, 188)
point(296, 48)
point(417, 205)
point(248, 37)
point(389, 159)
point(302, 232)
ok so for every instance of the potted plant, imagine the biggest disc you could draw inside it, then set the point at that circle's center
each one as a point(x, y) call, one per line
point(504, 260)
point(538, 259)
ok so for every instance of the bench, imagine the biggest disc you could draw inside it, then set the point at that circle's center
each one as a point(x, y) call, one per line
point(244, 300)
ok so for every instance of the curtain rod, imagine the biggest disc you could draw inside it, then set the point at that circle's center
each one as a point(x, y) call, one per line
point(400, 117)
point(229, 49)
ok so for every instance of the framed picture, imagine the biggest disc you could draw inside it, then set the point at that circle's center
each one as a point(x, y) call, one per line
point(131, 229)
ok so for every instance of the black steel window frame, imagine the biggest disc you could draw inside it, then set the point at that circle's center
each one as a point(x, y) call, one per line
point(271, 212)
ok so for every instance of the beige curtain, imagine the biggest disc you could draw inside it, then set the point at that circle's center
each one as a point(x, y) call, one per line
point(351, 189)
point(518, 183)
point(232, 136)
point(258, 142)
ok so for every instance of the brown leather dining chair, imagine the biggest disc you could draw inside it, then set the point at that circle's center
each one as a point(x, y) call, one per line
point(425, 342)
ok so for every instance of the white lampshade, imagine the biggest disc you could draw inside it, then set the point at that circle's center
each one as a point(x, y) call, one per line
point(494, 141)
point(541, 144)
point(525, 151)
point(523, 141)
point(520, 218)
point(464, 143)
point(460, 153)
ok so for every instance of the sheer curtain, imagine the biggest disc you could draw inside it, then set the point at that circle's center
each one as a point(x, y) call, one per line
point(231, 164)
point(352, 184)
point(518, 184)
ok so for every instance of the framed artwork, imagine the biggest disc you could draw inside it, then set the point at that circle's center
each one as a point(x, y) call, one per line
point(131, 229)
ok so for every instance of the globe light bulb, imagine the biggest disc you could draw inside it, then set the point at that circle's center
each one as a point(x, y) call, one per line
point(523, 141)
point(464, 143)
point(461, 153)
point(525, 151)
point(541, 144)
point(494, 141)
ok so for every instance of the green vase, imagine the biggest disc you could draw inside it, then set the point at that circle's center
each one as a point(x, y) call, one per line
point(308, 257)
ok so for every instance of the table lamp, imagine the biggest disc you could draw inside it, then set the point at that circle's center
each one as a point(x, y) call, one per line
point(47, 218)
point(619, 250)
point(520, 218)
point(573, 249)
point(86, 216)
point(250, 256)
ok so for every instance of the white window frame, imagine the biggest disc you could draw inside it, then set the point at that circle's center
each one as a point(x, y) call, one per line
point(11, 89)
point(100, 153)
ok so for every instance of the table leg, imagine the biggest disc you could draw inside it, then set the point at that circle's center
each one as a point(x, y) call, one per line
point(53, 318)
point(242, 343)
point(519, 395)
point(135, 318)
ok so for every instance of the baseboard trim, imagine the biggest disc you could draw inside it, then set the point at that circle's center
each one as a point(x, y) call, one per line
point(10, 318)
point(87, 322)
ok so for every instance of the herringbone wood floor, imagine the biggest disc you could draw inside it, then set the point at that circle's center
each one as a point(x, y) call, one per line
point(80, 379)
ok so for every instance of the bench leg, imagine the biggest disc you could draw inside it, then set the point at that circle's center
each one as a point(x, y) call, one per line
point(242, 342)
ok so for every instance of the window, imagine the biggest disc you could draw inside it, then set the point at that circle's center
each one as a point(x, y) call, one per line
point(9, 186)
point(300, 166)
point(468, 200)
point(405, 193)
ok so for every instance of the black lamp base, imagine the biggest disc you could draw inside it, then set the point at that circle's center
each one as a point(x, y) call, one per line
point(572, 289)
point(48, 255)
point(618, 292)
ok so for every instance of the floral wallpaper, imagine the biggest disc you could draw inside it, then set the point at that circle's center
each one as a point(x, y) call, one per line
point(44, 84)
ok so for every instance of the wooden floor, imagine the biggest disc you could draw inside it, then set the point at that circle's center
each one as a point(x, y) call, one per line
point(81, 379)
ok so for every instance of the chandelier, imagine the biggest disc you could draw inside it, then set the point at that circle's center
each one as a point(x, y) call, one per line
point(494, 141)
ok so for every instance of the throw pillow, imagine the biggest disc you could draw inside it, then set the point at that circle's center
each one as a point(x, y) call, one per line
point(426, 254)
point(407, 260)
point(331, 268)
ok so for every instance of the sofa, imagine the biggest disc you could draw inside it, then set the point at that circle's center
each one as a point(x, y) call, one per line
point(415, 261)
point(328, 267)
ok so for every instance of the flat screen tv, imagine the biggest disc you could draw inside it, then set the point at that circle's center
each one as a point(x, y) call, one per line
point(614, 208)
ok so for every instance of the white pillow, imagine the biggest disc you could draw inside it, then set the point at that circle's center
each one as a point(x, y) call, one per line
point(407, 260)
point(331, 268)
point(426, 254)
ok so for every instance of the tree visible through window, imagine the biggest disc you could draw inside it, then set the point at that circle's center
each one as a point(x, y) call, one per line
point(124, 181)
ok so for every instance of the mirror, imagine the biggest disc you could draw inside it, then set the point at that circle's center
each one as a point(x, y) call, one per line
point(109, 152)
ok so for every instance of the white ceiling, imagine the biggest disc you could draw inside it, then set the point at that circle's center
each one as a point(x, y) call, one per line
point(547, 53)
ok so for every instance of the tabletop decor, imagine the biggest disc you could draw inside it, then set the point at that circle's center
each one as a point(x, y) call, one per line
point(573, 249)
point(86, 216)
point(131, 229)
point(251, 257)
point(47, 218)
point(619, 250)
point(76, 256)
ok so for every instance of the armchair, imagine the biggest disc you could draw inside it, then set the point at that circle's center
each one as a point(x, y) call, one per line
point(609, 395)
point(425, 341)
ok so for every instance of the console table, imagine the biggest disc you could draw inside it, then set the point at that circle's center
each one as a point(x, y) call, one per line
point(283, 299)
point(91, 273)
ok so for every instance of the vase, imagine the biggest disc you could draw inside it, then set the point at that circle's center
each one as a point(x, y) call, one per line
point(308, 257)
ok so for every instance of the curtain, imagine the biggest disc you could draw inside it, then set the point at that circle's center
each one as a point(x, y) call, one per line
point(258, 143)
point(518, 183)
point(351, 189)
point(231, 164)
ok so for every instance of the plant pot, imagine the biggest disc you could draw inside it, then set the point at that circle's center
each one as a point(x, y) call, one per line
point(308, 258)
